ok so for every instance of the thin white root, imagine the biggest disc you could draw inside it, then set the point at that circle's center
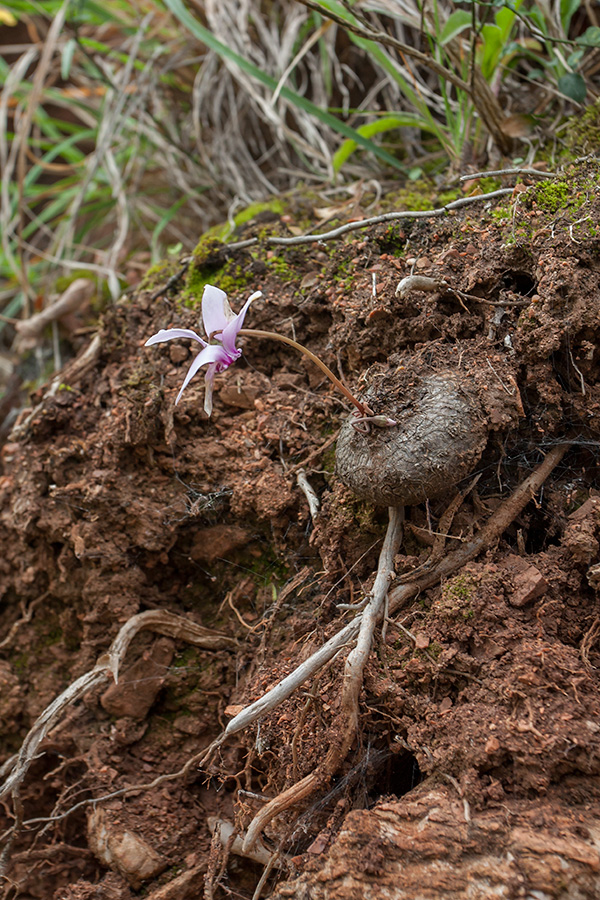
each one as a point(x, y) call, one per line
point(309, 492)
point(372, 614)
point(158, 620)
point(353, 679)
point(258, 853)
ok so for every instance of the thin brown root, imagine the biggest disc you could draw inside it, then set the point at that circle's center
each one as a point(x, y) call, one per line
point(589, 639)
point(353, 680)
point(338, 750)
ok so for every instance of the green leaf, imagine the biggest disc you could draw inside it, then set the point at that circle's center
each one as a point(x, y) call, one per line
point(505, 18)
point(492, 48)
point(67, 58)
point(572, 86)
point(379, 126)
point(590, 37)
point(222, 50)
point(573, 59)
point(455, 23)
point(168, 215)
point(567, 10)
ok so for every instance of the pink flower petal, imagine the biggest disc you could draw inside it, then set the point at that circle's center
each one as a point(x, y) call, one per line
point(168, 334)
point(230, 333)
point(208, 394)
point(213, 309)
point(210, 354)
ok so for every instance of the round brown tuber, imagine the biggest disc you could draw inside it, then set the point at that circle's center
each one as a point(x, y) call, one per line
point(441, 433)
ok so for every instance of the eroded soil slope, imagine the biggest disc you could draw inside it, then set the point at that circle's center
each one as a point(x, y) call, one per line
point(477, 757)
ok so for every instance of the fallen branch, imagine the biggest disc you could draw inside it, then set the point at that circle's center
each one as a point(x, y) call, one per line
point(29, 330)
point(372, 220)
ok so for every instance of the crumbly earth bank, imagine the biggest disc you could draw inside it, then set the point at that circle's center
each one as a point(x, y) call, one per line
point(476, 768)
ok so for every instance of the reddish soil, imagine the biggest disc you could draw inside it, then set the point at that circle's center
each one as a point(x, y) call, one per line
point(475, 772)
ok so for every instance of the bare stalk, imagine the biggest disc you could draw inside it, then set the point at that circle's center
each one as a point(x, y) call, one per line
point(254, 332)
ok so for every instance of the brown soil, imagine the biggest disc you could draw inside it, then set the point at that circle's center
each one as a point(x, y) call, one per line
point(475, 772)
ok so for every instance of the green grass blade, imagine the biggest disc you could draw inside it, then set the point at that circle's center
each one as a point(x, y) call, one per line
point(379, 126)
point(206, 37)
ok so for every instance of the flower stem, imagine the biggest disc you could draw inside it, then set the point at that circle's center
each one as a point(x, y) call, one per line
point(254, 332)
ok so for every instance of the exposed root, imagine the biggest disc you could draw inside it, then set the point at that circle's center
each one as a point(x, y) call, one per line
point(309, 492)
point(352, 684)
point(107, 666)
point(339, 748)
point(166, 623)
point(589, 639)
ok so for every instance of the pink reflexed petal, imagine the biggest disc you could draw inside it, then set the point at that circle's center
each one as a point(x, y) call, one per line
point(168, 334)
point(210, 383)
point(214, 302)
point(230, 333)
point(211, 354)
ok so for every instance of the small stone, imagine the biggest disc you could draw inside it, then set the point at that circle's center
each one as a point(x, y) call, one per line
point(492, 745)
point(122, 850)
point(178, 353)
point(528, 586)
point(421, 641)
point(527, 581)
point(140, 683)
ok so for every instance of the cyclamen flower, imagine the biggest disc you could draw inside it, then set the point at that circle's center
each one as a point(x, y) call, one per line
point(219, 322)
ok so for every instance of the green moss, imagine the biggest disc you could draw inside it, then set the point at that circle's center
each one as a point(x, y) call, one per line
point(344, 273)
point(275, 206)
point(448, 197)
point(232, 277)
point(209, 251)
point(158, 274)
point(279, 265)
point(456, 598)
point(550, 195)
point(501, 214)
point(219, 234)
point(420, 195)
point(583, 133)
